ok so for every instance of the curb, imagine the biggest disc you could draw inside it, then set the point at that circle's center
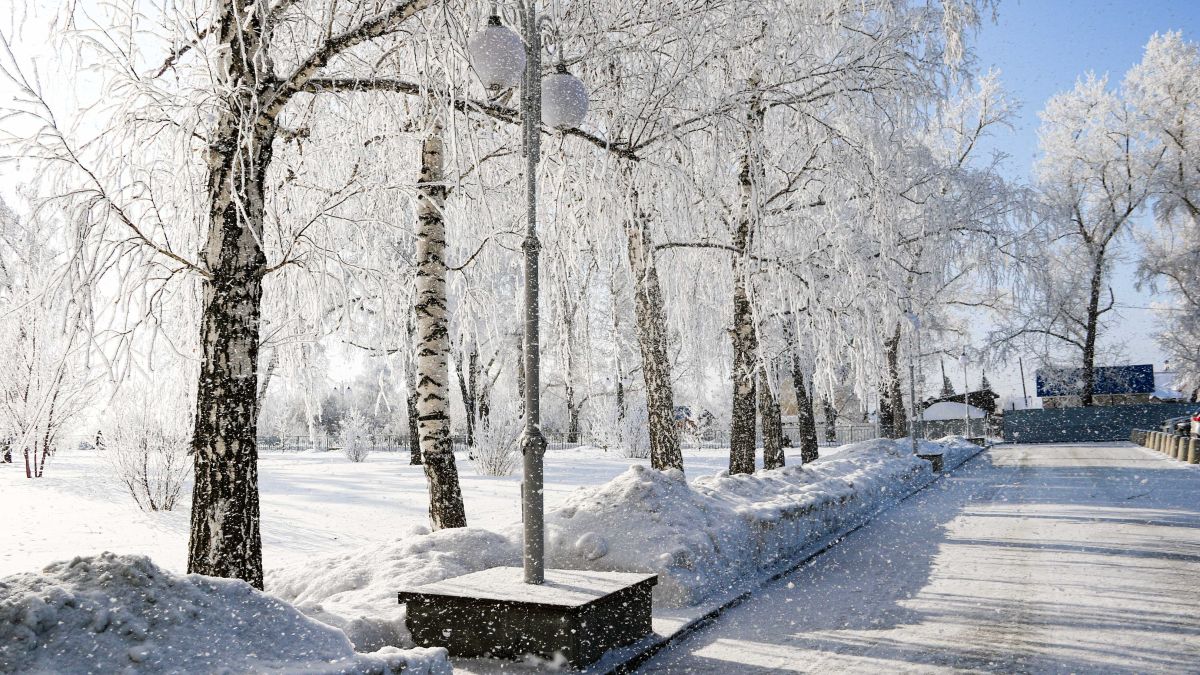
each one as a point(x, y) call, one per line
point(631, 657)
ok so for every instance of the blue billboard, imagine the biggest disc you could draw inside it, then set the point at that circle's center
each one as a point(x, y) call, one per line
point(1109, 380)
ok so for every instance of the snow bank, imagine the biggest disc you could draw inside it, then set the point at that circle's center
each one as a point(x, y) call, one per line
point(650, 521)
point(357, 592)
point(706, 537)
point(112, 613)
point(700, 538)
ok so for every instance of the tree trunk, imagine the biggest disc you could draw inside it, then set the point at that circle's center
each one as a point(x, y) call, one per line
point(433, 344)
point(468, 401)
point(652, 339)
point(414, 436)
point(745, 368)
point(831, 416)
point(743, 335)
point(265, 384)
point(893, 422)
point(570, 374)
point(1087, 394)
point(619, 378)
point(772, 425)
point(225, 538)
point(806, 420)
point(520, 374)
point(574, 409)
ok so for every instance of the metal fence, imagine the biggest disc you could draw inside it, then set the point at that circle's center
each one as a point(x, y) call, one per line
point(713, 437)
point(1100, 423)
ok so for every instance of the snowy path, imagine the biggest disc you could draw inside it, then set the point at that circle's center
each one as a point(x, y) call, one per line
point(1067, 558)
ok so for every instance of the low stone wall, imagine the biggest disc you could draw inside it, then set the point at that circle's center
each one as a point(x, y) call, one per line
point(1182, 448)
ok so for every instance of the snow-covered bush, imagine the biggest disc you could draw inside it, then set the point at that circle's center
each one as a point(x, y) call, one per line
point(113, 613)
point(146, 440)
point(497, 439)
point(635, 439)
point(354, 435)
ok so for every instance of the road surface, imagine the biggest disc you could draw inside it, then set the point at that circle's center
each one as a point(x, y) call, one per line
point(1028, 559)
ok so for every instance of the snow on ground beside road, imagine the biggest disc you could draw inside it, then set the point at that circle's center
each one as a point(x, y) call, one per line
point(340, 538)
point(708, 536)
point(700, 538)
point(1063, 558)
point(312, 504)
point(357, 591)
point(106, 613)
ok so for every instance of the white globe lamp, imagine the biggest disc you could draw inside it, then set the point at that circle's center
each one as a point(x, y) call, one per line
point(564, 100)
point(498, 55)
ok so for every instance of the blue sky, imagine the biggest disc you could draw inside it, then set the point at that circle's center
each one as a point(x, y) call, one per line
point(1041, 47)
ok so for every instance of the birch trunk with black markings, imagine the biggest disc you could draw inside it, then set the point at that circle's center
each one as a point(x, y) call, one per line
point(433, 343)
point(772, 424)
point(652, 341)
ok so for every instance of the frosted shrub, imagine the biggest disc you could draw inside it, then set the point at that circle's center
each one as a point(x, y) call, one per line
point(496, 444)
point(146, 444)
point(354, 436)
point(635, 437)
point(627, 434)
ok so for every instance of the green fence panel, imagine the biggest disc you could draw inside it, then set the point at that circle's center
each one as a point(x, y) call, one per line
point(1101, 423)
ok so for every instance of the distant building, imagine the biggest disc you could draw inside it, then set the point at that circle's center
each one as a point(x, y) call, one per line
point(690, 421)
point(1115, 385)
point(984, 399)
point(950, 418)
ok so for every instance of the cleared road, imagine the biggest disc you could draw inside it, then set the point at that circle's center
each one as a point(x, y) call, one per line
point(1028, 559)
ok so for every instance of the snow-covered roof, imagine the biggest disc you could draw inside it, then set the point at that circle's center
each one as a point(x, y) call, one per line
point(950, 410)
point(1164, 387)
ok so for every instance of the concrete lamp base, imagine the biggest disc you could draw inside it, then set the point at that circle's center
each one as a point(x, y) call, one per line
point(935, 460)
point(577, 614)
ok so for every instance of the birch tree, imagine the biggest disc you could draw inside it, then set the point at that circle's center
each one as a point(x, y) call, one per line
point(218, 78)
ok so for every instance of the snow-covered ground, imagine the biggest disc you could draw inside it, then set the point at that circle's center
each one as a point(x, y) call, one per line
point(1053, 558)
point(705, 537)
point(111, 613)
point(341, 538)
point(312, 504)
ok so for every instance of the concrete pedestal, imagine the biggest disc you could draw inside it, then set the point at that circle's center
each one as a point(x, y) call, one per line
point(577, 614)
point(935, 460)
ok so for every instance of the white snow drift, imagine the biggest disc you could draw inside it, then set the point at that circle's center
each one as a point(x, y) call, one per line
point(357, 592)
point(700, 538)
point(708, 536)
point(111, 613)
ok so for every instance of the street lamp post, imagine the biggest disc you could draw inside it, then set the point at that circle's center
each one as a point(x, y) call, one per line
point(487, 613)
point(502, 60)
point(533, 443)
point(966, 396)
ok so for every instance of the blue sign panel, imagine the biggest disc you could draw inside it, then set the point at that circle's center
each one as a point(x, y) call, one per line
point(1109, 380)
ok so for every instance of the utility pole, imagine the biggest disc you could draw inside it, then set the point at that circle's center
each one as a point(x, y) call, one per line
point(1024, 392)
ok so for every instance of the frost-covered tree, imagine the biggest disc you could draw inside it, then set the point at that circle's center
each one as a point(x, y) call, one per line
point(1164, 89)
point(1094, 175)
point(44, 379)
point(186, 175)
